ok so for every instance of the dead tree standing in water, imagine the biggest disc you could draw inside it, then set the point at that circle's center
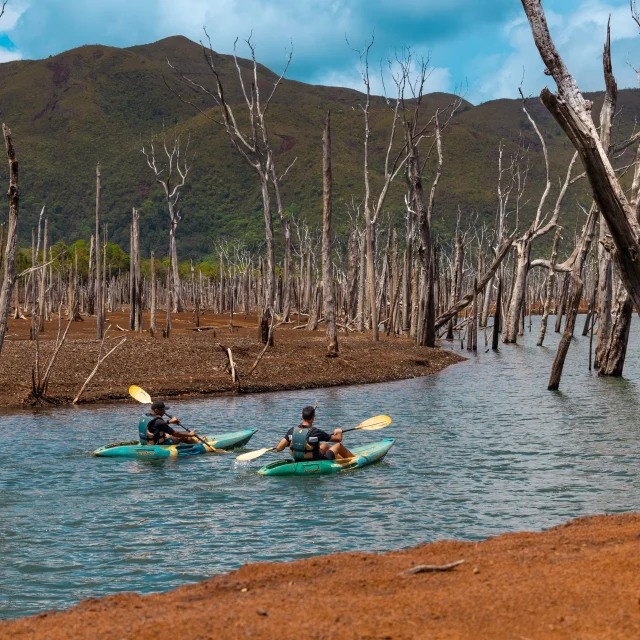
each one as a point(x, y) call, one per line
point(573, 114)
point(576, 286)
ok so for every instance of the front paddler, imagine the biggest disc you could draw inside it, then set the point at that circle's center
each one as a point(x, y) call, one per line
point(153, 429)
point(305, 442)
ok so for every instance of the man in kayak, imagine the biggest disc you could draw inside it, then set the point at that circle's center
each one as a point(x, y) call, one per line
point(154, 430)
point(305, 442)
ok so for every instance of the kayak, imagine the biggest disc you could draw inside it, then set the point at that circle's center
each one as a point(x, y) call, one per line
point(363, 456)
point(136, 450)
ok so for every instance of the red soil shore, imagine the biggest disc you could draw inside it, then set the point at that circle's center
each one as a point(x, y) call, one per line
point(577, 581)
point(190, 363)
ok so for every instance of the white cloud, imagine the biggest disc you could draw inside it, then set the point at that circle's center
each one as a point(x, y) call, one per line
point(439, 80)
point(12, 13)
point(9, 56)
point(579, 37)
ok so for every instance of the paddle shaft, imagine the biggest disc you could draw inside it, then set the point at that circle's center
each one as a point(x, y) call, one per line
point(208, 444)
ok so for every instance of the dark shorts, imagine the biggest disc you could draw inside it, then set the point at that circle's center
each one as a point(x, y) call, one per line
point(329, 455)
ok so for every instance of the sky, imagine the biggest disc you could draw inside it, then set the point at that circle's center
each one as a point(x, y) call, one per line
point(482, 47)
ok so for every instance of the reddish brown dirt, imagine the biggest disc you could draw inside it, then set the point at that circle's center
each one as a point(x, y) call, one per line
point(190, 362)
point(577, 581)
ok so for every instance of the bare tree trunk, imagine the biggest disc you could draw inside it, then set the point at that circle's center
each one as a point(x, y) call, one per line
point(153, 328)
point(574, 303)
point(327, 242)
point(516, 301)
point(573, 114)
point(615, 353)
point(99, 282)
point(91, 279)
point(495, 338)
point(549, 293)
point(352, 272)
point(592, 305)
point(167, 327)
point(42, 307)
point(9, 265)
point(362, 279)
point(456, 281)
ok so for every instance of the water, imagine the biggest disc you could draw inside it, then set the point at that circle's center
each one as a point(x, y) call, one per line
point(482, 449)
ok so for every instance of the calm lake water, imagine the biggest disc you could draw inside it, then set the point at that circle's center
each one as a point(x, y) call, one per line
point(482, 448)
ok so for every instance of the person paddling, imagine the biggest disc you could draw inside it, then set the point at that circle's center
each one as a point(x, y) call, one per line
point(306, 442)
point(154, 430)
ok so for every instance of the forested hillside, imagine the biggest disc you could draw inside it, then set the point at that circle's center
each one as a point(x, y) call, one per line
point(100, 103)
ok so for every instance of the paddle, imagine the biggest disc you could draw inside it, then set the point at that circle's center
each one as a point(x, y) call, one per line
point(139, 394)
point(372, 424)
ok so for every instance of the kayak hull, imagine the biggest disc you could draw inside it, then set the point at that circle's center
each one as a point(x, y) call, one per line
point(363, 457)
point(136, 450)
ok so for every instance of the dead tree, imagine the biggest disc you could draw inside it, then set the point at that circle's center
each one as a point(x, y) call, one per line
point(549, 289)
point(538, 228)
point(573, 114)
point(254, 147)
point(135, 281)
point(153, 327)
point(327, 242)
point(171, 176)
point(575, 297)
point(393, 164)
point(611, 347)
point(99, 288)
point(101, 359)
point(40, 380)
point(9, 263)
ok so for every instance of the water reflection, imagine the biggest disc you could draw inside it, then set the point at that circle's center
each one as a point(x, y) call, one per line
point(482, 448)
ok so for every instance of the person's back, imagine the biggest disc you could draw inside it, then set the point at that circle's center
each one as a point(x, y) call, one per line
point(306, 442)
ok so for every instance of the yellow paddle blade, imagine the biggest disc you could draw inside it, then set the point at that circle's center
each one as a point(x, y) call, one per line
point(375, 423)
point(139, 394)
point(252, 455)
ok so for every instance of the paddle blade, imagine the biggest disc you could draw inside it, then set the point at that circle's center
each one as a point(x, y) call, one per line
point(139, 394)
point(252, 455)
point(375, 423)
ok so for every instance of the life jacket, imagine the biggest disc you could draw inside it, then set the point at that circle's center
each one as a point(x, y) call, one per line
point(300, 447)
point(146, 435)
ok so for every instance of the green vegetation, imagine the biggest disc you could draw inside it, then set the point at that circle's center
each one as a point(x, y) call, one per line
point(98, 103)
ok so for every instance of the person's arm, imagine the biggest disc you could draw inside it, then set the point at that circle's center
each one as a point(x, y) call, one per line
point(336, 436)
point(283, 444)
point(183, 435)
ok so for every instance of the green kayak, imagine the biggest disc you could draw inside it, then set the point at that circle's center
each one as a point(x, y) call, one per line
point(136, 450)
point(363, 456)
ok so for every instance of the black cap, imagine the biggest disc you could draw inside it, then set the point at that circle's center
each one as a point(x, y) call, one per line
point(158, 405)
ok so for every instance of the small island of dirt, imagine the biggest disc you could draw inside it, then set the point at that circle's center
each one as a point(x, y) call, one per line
point(579, 580)
point(190, 362)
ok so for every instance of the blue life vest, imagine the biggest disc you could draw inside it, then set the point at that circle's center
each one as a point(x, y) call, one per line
point(300, 447)
point(146, 436)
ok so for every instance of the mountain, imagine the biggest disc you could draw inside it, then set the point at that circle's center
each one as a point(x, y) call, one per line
point(100, 103)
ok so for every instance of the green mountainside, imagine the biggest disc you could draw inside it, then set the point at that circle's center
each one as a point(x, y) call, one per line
point(99, 103)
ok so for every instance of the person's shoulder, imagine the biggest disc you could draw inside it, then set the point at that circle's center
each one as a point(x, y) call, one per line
point(318, 432)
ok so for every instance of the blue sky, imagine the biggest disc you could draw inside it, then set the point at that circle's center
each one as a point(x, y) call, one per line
point(482, 45)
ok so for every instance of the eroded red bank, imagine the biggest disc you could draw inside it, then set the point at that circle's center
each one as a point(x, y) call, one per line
point(579, 580)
